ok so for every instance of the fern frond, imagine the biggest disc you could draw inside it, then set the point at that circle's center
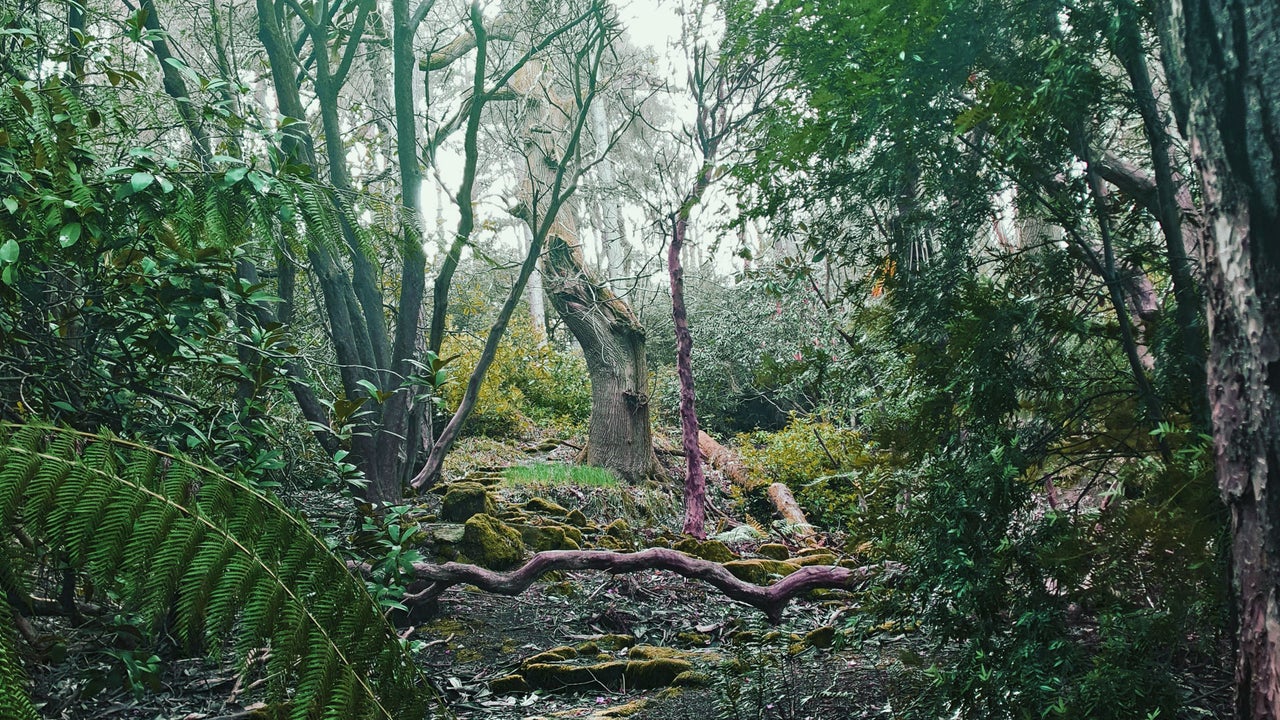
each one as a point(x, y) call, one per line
point(183, 542)
point(14, 701)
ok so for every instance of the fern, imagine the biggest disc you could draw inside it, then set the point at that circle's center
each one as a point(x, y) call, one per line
point(14, 702)
point(186, 545)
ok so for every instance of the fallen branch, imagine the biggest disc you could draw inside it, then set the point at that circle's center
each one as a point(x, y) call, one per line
point(723, 459)
point(770, 599)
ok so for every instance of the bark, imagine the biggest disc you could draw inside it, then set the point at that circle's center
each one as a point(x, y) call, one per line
point(772, 600)
point(785, 503)
point(695, 483)
point(613, 344)
point(1186, 294)
point(1223, 62)
point(722, 459)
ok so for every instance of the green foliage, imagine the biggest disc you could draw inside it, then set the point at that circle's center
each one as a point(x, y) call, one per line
point(558, 474)
point(530, 382)
point(211, 557)
point(758, 354)
point(14, 701)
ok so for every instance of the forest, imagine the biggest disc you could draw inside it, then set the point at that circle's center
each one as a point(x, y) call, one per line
point(654, 359)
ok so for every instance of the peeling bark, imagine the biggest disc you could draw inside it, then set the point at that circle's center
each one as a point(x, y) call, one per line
point(1223, 61)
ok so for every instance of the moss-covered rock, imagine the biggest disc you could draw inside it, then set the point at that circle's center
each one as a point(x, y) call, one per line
point(572, 533)
point(655, 673)
point(575, 517)
point(545, 508)
point(821, 637)
point(615, 642)
point(808, 560)
point(693, 639)
point(759, 571)
point(692, 678)
point(651, 652)
point(464, 499)
point(541, 537)
point(620, 530)
point(552, 676)
point(509, 685)
point(487, 541)
point(712, 550)
point(774, 551)
point(555, 654)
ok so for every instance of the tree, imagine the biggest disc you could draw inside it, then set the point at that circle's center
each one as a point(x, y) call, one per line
point(1223, 62)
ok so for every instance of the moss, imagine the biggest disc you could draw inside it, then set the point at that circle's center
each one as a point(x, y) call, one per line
point(821, 637)
point(509, 685)
point(759, 571)
point(807, 560)
point(693, 639)
point(652, 652)
point(627, 710)
point(615, 642)
point(572, 533)
point(610, 543)
point(541, 537)
point(774, 551)
point(554, 677)
point(555, 654)
point(588, 648)
point(446, 626)
point(656, 673)
point(712, 550)
point(575, 517)
point(487, 541)
point(464, 499)
point(544, 507)
point(692, 678)
point(621, 530)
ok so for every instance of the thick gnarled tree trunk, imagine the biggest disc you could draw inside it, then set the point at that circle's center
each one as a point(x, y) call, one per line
point(612, 341)
point(1223, 61)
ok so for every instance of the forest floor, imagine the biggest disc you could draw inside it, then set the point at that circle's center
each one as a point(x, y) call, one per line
point(488, 654)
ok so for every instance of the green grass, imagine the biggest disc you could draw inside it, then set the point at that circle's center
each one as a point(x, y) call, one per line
point(558, 474)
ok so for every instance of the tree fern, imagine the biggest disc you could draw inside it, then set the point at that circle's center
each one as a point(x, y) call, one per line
point(186, 545)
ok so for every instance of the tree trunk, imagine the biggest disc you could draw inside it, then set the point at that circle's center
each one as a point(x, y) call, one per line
point(1223, 63)
point(695, 483)
point(612, 341)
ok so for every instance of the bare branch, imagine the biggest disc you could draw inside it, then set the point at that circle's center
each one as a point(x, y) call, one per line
point(771, 599)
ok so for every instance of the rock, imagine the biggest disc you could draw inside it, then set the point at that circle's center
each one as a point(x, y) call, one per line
point(815, 559)
point(445, 532)
point(509, 685)
point(539, 506)
point(694, 639)
point(759, 571)
point(712, 550)
point(575, 517)
point(465, 499)
point(614, 642)
point(652, 652)
point(488, 542)
point(555, 654)
point(774, 551)
point(572, 533)
point(542, 537)
point(821, 637)
point(555, 677)
point(656, 673)
point(620, 530)
point(692, 678)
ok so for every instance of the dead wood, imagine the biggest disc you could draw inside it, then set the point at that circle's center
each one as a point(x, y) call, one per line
point(788, 509)
point(770, 599)
point(722, 459)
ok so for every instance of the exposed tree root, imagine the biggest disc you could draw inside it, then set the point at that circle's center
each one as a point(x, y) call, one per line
point(771, 599)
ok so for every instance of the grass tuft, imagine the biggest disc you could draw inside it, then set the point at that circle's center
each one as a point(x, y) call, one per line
point(544, 473)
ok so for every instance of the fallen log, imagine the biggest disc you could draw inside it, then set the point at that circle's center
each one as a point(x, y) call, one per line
point(788, 509)
point(722, 459)
point(771, 599)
